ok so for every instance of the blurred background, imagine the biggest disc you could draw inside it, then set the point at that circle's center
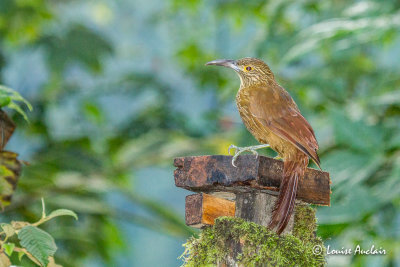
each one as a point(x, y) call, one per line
point(119, 88)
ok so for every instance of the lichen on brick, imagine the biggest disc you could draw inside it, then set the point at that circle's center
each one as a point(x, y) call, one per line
point(256, 245)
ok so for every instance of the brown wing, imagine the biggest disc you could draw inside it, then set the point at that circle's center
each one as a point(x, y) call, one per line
point(279, 113)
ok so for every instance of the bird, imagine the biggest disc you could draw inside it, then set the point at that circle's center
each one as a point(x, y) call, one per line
point(274, 119)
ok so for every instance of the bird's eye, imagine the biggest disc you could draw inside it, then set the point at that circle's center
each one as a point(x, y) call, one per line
point(248, 68)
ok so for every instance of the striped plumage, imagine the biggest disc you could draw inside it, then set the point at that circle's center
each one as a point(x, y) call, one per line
point(273, 118)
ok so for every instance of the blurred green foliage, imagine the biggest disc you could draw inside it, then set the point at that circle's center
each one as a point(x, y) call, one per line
point(118, 86)
point(11, 99)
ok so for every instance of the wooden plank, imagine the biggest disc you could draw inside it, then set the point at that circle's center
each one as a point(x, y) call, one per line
point(194, 210)
point(263, 174)
point(202, 209)
point(257, 207)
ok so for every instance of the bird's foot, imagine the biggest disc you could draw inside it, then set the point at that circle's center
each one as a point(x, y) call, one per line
point(240, 150)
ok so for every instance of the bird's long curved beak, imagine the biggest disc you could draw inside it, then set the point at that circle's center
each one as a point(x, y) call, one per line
point(229, 63)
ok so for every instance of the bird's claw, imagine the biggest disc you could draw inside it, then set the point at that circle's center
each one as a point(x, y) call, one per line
point(240, 150)
point(232, 147)
point(236, 153)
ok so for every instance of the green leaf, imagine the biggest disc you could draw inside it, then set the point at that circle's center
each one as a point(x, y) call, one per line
point(14, 95)
point(18, 109)
point(93, 113)
point(4, 100)
point(9, 248)
point(37, 242)
point(8, 98)
point(20, 255)
point(8, 229)
point(62, 212)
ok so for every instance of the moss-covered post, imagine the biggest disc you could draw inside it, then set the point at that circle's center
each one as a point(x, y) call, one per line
point(237, 242)
point(248, 193)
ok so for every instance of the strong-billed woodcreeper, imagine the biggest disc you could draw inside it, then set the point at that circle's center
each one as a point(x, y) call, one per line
point(273, 118)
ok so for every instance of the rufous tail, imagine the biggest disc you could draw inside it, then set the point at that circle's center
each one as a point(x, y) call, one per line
point(293, 171)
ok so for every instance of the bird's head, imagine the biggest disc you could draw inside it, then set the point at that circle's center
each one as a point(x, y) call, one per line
point(250, 70)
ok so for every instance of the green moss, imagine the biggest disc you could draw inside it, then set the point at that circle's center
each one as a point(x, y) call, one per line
point(258, 245)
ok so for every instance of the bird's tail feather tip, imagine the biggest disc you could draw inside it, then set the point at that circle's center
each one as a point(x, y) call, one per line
point(284, 207)
point(285, 203)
